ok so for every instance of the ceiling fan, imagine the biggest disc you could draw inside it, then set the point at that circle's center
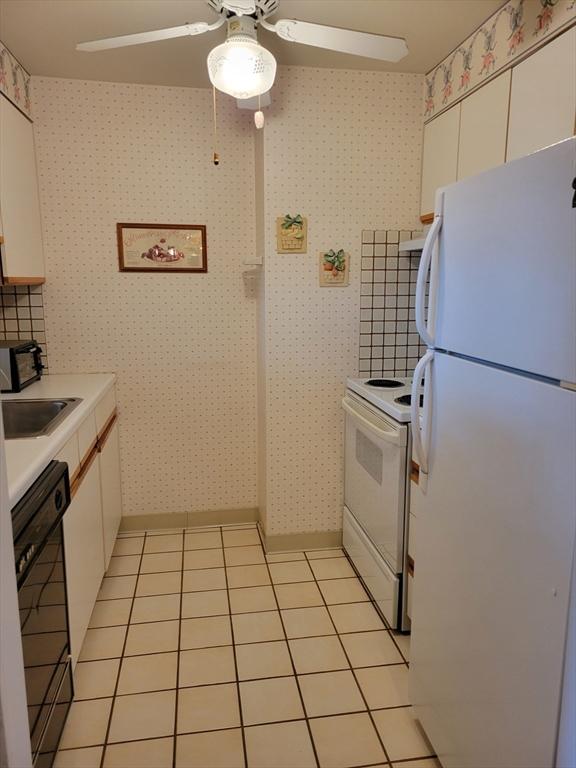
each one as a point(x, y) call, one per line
point(243, 68)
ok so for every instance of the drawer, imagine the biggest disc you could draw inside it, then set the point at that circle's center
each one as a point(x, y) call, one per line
point(71, 455)
point(86, 436)
point(105, 409)
point(379, 580)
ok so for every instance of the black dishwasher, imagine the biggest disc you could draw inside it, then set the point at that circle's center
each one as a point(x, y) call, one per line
point(42, 600)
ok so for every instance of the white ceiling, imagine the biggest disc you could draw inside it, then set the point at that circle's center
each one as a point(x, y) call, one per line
point(42, 34)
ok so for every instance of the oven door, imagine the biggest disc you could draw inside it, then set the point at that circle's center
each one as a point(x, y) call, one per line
point(375, 477)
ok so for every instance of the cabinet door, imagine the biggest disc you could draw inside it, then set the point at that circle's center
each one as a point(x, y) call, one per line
point(84, 553)
point(22, 252)
point(543, 97)
point(440, 155)
point(111, 490)
point(483, 125)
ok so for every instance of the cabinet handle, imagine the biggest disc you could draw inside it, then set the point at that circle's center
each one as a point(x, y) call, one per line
point(105, 434)
point(84, 467)
point(97, 446)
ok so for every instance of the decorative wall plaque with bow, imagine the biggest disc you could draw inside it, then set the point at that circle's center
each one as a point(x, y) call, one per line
point(292, 234)
point(334, 269)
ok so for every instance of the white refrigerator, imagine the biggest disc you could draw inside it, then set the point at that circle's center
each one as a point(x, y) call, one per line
point(496, 442)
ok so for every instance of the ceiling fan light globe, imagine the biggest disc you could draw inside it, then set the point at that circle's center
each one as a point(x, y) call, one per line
point(241, 67)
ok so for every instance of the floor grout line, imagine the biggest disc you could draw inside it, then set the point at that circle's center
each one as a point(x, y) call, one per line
point(248, 642)
point(243, 680)
point(228, 568)
point(302, 704)
point(354, 674)
point(175, 744)
point(238, 698)
point(119, 669)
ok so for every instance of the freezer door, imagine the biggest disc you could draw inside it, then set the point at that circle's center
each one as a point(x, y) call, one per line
point(493, 562)
point(507, 265)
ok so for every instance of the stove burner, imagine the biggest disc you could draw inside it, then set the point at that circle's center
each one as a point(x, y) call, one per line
point(384, 383)
point(407, 400)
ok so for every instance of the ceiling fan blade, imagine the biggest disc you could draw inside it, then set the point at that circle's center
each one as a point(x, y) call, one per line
point(198, 28)
point(343, 40)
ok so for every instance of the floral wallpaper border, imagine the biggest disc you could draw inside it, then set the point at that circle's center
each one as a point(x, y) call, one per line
point(511, 31)
point(14, 81)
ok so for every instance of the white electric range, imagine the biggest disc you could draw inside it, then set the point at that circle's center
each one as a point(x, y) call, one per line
point(392, 396)
point(376, 486)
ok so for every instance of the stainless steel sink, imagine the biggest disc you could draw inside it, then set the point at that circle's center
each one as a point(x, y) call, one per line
point(35, 418)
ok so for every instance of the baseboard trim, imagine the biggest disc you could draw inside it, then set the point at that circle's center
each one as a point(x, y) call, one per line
point(188, 519)
point(296, 542)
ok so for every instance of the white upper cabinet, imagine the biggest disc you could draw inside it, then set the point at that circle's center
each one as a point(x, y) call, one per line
point(22, 251)
point(522, 110)
point(440, 155)
point(483, 125)
point(543, 97)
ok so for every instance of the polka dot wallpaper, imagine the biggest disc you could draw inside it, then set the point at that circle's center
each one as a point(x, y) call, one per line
point(341, 147)
point(183, 345)
point(344, 149)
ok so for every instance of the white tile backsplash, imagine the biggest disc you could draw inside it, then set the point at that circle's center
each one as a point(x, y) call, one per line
point(389, 344)
point(22, 315)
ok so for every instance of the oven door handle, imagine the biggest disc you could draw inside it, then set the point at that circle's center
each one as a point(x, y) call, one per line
point(383, 434)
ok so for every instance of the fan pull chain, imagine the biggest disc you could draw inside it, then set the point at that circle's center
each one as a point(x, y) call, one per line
point(215, 156)
point(259, 116)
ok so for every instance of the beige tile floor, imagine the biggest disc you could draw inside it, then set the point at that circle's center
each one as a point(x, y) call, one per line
point(203, 652)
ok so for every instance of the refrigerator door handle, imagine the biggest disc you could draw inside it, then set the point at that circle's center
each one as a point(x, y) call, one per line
point(428, 264)
point(420, 433)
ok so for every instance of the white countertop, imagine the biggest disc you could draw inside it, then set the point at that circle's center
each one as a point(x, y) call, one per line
point(27, 458)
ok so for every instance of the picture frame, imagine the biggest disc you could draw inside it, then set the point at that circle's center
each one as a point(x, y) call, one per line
point(161, 247)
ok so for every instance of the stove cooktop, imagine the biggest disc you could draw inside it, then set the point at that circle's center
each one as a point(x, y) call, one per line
point(407, 400)
point(385, 383)
point(392, 396)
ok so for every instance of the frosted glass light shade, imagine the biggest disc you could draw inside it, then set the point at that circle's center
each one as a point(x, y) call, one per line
point(241, 67)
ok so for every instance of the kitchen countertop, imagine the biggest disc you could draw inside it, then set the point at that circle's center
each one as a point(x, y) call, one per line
point(26, 458)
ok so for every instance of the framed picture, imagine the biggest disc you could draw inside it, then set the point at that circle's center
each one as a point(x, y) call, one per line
point(162, 247)
point(334, 269)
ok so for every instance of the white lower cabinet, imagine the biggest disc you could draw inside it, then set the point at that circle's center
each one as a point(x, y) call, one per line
point(84, 553)
point(111, 490)
point(92, 520)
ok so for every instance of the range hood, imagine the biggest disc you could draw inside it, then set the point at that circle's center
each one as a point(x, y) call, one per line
point(413, 245)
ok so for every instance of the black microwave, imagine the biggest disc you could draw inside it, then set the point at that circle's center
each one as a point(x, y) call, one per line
point(20, 364)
